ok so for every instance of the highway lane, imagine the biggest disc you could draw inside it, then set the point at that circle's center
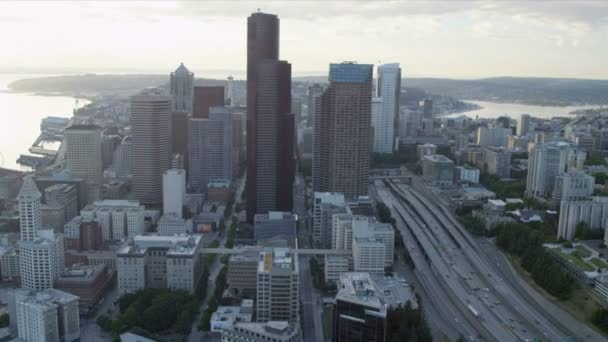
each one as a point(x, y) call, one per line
point(525, 318)
point(457, 318)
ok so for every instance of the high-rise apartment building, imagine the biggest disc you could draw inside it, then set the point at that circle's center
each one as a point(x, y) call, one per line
point(343, 131)
point(83, 157)
point(523, 125)
point(151, 134)
point(174, 191)
point(41, 252)
point(593, 211)
point(277, 296)
point(182, 81)
point(206, 97)
point(270, 125)
point(426, 118)
point(546, 162)
point(496, 161)
point(386, 126)
point(573, 186)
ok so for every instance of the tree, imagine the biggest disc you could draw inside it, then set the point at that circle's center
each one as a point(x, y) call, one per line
point(600, 177)
point(582, 231)
point(405, 323)
point(599, 318)
point(4, 320)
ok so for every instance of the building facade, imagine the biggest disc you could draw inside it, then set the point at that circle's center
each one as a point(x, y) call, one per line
point(343, 132)
point(270, 125)
point(277, 297)
point(151, 136)
point(181, 83)
point(389, 89)
point(206, 97)
point(83, 157)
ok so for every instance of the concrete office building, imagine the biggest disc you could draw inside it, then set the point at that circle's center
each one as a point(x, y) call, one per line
point(438, 169)
point(493, 136)
point(118, 218)
point(181, 83)
point(270, 125)
point(523, 125)
point(83, 235)
point(174, 191)
point(50, 316)
point(83, 157)
point(275, 224)
point(225, 317)
point(179, 136)
point(343, 132)
point(210, 149)
point(336, 265)
point(172, 224)
point(359, 312)
point(108, 145)
point(242, 273)
point(466, 174)
point(426, 119)
point(497, 161)
point(89, 283)
point(426, 150)
point(171, 262)
point(296, 109)
point(389, 89)
point(64, 195)
point(325, 205)
point(122, 161)
point(9, 263)
point(53, 217)
point(272, 331)
point(572, 186)
point(373, 246)
point(592, 211)
point(314, 94)
point(151, 134)
point(41, 252)
point(546, 162)
point(277, 297)
point(205, 98)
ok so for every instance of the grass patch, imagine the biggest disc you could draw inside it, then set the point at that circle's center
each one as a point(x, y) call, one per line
point(577, 261)
point(581, 303)
point(599, 263)
point(328, 320)
point(582, 252)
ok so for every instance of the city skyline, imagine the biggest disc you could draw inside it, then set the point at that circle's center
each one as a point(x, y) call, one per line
point(523, 38)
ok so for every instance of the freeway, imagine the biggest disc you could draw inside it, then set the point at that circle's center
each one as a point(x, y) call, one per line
point(489, 304)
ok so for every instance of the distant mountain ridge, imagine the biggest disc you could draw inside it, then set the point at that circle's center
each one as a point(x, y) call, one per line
point(524, 90)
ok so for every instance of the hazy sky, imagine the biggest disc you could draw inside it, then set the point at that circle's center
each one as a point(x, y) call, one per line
point(460, 39)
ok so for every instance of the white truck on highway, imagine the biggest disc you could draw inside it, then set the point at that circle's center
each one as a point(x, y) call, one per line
point(473, 311)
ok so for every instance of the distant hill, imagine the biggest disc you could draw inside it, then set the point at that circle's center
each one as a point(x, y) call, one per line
point(534, 91)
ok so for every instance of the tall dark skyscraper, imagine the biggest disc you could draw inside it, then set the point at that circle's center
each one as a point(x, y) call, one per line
point(342, 131)
point(270, 123)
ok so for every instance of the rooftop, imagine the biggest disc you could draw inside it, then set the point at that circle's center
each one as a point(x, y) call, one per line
point(358, 287)
point(350, 72)
point(394, 290)
point(438, 158)
point(83, 128)
point(176, 245)
point(48, 298)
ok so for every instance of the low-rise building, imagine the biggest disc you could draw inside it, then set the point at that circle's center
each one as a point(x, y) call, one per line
point(225, 317)
point(172, 224)
point(466, 174)
point(584, 263)
point(219, 190)
point(272, 331)
point(9, 263)
point(274, 224)
point(89, 283)
point(149, 261)
point(438, 170)
point(335, 265)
